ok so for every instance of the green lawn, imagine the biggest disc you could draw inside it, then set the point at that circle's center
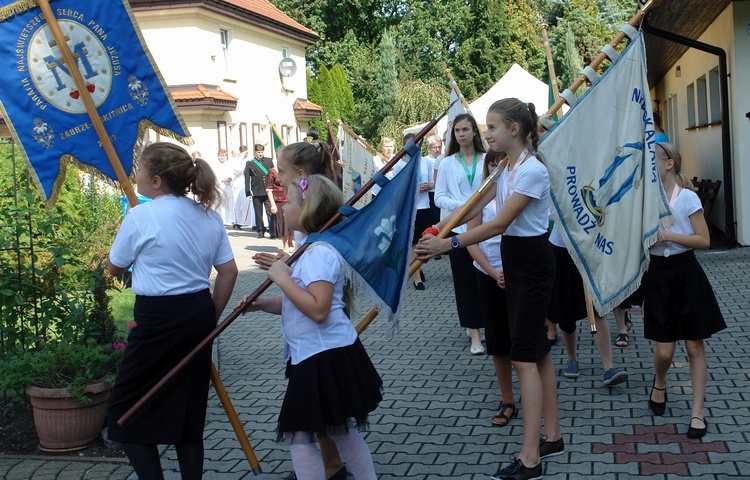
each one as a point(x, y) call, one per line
point(122, 303)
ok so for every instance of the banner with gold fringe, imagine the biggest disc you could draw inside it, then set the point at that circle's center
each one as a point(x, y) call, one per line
point(45, 111)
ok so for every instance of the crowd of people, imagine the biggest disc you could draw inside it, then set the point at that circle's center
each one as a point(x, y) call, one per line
point(512, 277)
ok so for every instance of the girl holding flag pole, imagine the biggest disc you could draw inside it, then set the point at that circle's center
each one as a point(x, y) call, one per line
point(331, 377)
point(523, 191)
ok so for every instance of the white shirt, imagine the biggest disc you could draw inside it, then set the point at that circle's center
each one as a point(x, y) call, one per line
point(453, 189)
point(172, 243)
point(426, 174)
point(532, 180)
point(686, 204)
point(555, 238)
point(490, 247)
point(436, 164)
point(304, 338)
point(379, 163)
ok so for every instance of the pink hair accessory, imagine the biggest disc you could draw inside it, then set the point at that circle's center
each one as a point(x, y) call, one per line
point(303, 187)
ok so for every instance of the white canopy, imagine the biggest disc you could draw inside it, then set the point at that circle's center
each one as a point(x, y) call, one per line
point(517, 83)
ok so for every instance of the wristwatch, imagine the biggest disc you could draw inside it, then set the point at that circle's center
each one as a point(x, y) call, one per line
point(454, 242)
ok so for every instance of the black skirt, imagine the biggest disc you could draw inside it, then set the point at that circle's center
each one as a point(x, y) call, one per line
point(168, 328)
point(328, 389)
point(494, 306)
point(568, 303)
point(422, 221)
point(678, 301)
point(465, 288)
point(529, 267)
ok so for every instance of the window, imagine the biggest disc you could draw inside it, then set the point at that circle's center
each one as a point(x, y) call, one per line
point(243, 135)
point(225, 37)
point(702, 98)
point(714, 95)
point(673, 121)
point(223, 135)
point(286, 52)
point(691, 105)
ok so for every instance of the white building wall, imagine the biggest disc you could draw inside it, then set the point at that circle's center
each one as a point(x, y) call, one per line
point(185, 44)
point(700, 147)
point(740, 107)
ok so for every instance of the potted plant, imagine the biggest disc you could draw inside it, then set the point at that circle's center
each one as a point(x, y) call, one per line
point(68, 386)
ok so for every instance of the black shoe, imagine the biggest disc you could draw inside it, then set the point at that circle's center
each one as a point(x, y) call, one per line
point(518, 471)
point(340, 475)
point(291, 476)
point(419, 286)
point(657, 407)
point(438, 257)
point(272, 237)
point(421, 276)
point(697, 432)
point(550, 449)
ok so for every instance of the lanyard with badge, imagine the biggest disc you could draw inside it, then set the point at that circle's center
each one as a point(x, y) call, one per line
point(672, 202)
point(469, 176)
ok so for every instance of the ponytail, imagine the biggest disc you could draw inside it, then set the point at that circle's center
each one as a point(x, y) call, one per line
point(312, 158)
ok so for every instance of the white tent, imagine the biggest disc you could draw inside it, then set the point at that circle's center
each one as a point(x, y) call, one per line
point(517, 83)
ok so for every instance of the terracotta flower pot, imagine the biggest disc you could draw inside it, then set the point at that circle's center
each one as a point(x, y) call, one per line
point(64, 425)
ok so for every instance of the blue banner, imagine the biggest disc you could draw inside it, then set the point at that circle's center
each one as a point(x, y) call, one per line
point(43, 107)
point(375, 241)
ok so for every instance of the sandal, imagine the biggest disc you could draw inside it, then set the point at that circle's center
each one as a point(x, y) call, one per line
point(622, 340)
point(628, 323)
point(501, 419)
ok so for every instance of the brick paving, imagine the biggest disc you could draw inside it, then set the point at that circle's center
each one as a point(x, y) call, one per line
point(434, 421)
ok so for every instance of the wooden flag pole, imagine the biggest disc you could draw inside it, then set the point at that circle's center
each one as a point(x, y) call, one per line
point(264, 286)
point(359, 139)
point(550, 62)
point(454, 86)
point(235, 421)
point(278, 135)
point(80, 84)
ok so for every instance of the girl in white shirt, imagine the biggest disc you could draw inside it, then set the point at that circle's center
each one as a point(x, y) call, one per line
point(331, 377)
point(173, 243)
point(460, 175)
point(523, 191)
point(679, 303)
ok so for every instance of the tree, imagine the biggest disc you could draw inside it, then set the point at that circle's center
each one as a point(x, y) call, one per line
point(331, 91)
point(418, 102)
point(387, 80)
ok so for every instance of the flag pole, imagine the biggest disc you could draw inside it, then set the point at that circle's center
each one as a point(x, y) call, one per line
point(550, 63)
point(85, 96)
point(634, 22)
point(602, 56)
point(266, 283)
point(278, 135)
point(454, 86)
point(360, 139)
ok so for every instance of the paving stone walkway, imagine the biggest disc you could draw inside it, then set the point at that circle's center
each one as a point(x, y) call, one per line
point(434, 421)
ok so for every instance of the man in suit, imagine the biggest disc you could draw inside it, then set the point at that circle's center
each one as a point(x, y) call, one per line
point(256, 178)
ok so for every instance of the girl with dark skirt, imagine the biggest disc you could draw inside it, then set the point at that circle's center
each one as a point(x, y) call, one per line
point(678, 301)
point(493, 301)
point(523, 191)
point(172, 242)
point(331, 378)
point(457, 180)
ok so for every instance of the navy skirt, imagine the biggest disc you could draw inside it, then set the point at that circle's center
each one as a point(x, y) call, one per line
point(678, 301)
point(329, 389)
point(168, 328)
point(529, 267)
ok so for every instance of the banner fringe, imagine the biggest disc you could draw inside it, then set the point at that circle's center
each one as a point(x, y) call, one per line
point(16, 8)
